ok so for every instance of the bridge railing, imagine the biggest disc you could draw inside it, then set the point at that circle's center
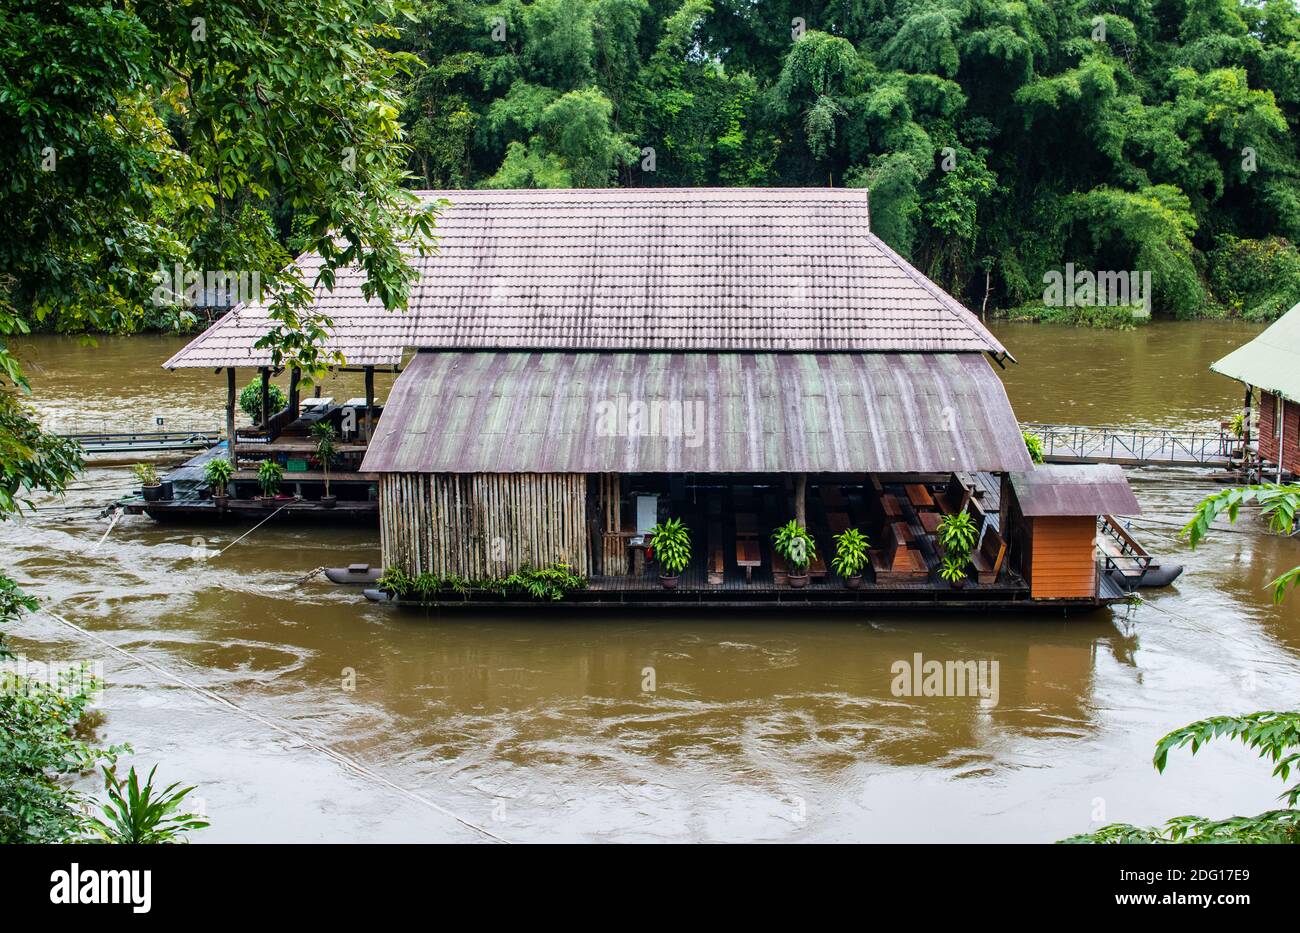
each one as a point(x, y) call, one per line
point(1128, 444)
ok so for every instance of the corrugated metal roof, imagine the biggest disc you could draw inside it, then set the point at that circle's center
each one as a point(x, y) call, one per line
point(1271, 361)
point(1074, 489)
point(721, 269)
point(466, 412)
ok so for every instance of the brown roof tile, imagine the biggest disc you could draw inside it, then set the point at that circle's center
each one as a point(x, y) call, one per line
point(720, 269)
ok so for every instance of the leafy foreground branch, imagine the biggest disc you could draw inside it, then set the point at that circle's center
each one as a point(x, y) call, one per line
point(43, 749)
point(44, 723)
point(1278, 503)
point(1275, 736)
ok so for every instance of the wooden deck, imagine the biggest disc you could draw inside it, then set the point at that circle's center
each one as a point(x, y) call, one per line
point(190, 501)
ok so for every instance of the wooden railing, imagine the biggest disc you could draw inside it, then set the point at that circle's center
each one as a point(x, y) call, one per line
point(1125, 555)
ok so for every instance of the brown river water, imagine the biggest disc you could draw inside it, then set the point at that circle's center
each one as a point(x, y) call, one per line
point(759, 728)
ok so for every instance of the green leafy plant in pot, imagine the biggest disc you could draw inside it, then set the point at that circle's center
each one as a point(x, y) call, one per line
point(218, 473)
point(147, 477)
point(850, 560)
point(1034, 445)
point(323, 431)
point(671, 541)
point(793, 542)
point(269, 475)
point(956, 534)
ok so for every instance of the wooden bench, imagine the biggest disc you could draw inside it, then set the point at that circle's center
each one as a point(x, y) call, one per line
point(893, 561)
point(780, 572)
point(817, 567)
point(746, 525)
point(748, 556)
point(987, 558)
point(714, 565)
point(953, 498)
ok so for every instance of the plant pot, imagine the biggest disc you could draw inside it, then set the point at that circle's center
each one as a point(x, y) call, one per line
point(797, 580)
point(152, 493)
point(268, 502)
point(222, 501)
point(853, 582)
point(328, 502)
point(958, 584)
point(166, 490)
point(669, 582)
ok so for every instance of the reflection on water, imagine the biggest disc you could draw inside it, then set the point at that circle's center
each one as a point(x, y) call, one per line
point(671, 726)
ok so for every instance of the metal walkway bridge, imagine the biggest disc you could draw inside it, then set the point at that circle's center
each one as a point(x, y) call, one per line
point(1065, 443)
point(119, 442)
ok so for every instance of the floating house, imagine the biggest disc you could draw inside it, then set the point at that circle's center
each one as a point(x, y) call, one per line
point(1270, 365)
point(578, 365)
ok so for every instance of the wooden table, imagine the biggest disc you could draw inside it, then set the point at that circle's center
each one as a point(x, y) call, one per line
point(746, 525)
point(891, 506)
point(930, 521)
point(903, 534)
point(638, 558)
point(748, 556)
point(919, 496)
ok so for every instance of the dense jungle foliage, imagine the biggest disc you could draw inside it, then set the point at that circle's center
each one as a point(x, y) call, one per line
point(1000, 139)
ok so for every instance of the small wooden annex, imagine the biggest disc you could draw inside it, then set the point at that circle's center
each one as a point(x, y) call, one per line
point(1053, 520)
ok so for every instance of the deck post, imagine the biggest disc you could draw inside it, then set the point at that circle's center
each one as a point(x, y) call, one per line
point(266, 396)
point(293, 393)
point(801, 499)
point(1245, 434)
point(230, 414)
point(370, 398)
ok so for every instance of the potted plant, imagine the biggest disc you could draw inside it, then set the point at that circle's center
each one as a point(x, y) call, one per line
point(851, 548)
point(147, 476)
point(1034, 445)
point(956, 534)
point(323, 431)
point(793, 542)
point(269, 475)
point(671, 541)
point(218, 472)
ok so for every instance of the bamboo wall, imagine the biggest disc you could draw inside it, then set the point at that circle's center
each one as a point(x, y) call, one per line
point(483, 525)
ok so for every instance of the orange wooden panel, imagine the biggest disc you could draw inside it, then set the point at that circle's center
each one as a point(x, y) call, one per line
point(1063, 562)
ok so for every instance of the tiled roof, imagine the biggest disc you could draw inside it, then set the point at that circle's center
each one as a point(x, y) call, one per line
point(713, 269)
point(482, 412)
point(1074, 489)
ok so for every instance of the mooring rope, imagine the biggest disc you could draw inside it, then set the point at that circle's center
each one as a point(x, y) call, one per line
point(253, 529)
point(336, 756)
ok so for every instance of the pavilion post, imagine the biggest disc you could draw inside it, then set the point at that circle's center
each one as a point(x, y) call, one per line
point(230, 414)
point(266, 396)
point(294, 375)
point(1245, 434)
point(370, 399)
point(801, 499)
